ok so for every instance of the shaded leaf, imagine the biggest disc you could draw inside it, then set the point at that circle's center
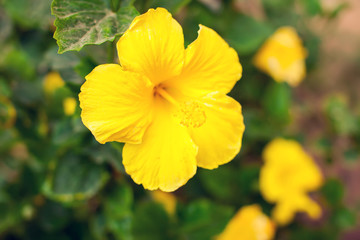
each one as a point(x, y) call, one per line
point(79, 23)
point(172, 6)
point(277, 101)
point(202, 220)
point(30, 13)
point(74, 179)
point(246, 34)
point(152, 222)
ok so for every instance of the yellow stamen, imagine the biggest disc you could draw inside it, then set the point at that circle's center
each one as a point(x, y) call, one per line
point(166, 96)
point(190, 113)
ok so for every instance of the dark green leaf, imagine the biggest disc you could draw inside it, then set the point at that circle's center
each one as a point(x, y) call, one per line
point(246, 34)
point(30, 13)
point(79, 23)
point(202, 220)
point(74, 179)
point(344, 218)
point(220, 183)
point(277, 101)
point(118, 212)
point(152, 222)
point(333, 191)
point(341, 118)
point(312, 7)
point(172, 6)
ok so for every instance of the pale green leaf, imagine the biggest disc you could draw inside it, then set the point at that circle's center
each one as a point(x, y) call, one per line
point(79, 23)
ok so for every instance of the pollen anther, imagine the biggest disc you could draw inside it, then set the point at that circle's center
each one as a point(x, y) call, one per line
point(191, 114)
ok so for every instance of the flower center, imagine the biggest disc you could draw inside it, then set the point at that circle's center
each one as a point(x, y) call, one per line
point(190, 113)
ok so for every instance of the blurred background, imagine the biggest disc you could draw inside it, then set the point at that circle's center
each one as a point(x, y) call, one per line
point(57, 182)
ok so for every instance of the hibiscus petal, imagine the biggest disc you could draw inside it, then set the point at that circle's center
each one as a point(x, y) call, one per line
point(116, 105)
point(210, 65)
point(219, 138)
point(286, 209)
point(166, 159)
point(153, 45)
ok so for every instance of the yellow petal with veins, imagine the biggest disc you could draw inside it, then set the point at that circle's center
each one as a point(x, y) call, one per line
point(219, 138)
point(153, 45)
point(283, 57)
point(116, 105)
point(210, 65)
point(249, 223)
point(286, 209)
point(165, 159)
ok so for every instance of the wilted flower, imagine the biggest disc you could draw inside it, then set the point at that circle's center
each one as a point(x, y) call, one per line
point(287, 176)
point(168, 104)
point(249, 223)
point(283, 57)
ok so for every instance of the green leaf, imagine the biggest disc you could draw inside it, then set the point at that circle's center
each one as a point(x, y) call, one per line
point(352, 155)
point(340, 8)
point(117, 208)
point(277, 101)
point(53, 216)
point(333, 191)
point(312, 7)
point(30, 13)
point(79, 23)
point(172, 6)
point(344, 218)
point(152, 222)
point(74, 178)
point(247, 38)
point(5, 26)
point(202, 220)
point(220, 183)
point(341, 117)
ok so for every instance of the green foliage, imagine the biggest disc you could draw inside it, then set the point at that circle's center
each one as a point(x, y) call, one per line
point(247, 39)
point(202, 219)
point(57, 182)
point(29, 13)
point(333, 191)
point(313, 7)
point(63, 185)
point(172, 6)
point(79, 23)
point(277, 101)
point(152, 222)
point(341, 118)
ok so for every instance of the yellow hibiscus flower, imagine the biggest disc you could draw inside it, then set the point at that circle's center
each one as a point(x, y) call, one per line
point(288, 174)
point(69, 105)
point(168, 104)
point(249, 223)
point(52, 82)
point(283, 57)
point(168, 200)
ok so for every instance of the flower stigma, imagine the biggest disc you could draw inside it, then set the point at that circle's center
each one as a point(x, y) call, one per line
point(190, 113)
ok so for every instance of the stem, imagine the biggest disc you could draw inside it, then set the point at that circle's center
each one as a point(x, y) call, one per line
point(110, 52)
point(115, 4)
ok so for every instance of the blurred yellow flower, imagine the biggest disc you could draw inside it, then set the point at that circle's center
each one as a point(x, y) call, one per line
point(283, 57)
point(7, 113)
point(69, 106)
point(288, 174)
point(52, 82)
point(168, 200)
point(168, 104)
point(250, 223)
